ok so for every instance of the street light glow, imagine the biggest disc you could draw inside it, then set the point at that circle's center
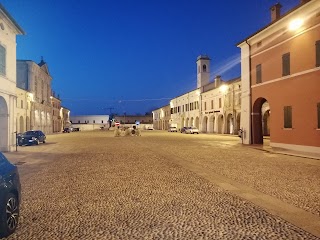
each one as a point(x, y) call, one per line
point(223, 88)
point(295, 24)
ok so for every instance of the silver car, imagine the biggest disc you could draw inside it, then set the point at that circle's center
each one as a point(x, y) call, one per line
point(192, 130)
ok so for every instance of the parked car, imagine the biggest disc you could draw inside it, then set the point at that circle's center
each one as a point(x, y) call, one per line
point(150, 128)
point(183, 129)
point(75, 129)
point(192, 130)
point(33, 137)
point(10, 197)
point(66, 130)
point(172, 129)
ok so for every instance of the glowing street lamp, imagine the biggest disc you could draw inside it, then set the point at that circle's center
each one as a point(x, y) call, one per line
point(223, 88)
point(295, 24)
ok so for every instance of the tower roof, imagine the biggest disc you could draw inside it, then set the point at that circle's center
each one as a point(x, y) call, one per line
point(203, 57)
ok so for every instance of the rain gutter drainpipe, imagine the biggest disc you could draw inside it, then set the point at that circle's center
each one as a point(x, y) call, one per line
point(250, 97)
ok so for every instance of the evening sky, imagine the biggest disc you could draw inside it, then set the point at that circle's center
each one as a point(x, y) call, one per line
point(133, 56)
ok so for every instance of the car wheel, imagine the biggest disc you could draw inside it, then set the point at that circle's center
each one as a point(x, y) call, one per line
point(44, 141)
point(37, 142)
point(9, 215)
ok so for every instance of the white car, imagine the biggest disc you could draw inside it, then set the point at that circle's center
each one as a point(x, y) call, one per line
point(172, 129)
point(150, 128)
point(192, 130)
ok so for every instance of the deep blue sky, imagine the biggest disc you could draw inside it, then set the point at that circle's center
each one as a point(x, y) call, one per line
point(104, 53)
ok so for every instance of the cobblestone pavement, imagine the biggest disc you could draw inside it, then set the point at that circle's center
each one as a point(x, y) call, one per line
point(92, 185)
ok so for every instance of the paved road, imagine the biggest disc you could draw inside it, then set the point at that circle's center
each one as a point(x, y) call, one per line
point(92, 185)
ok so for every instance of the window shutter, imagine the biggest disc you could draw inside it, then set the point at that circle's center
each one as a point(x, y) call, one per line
point(258, 74)
point(287, 117)
point(2, 60)
point(318, 109)
point(286, 64)
point(318, 53)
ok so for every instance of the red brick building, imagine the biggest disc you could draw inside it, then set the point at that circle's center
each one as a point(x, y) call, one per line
point(280, 67)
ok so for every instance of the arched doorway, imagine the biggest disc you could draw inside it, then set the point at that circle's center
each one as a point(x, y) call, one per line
point(191, 122)
point(220, 123)
point(186, 123)
point(238, 122)
point(230, 124)
point(257, 120)
point(21, 125)
point(211, 124)
point(265, 110)
point(182, 122)
point(204, 124)
point(3, 125)
point(197, 122)
point(27, 123)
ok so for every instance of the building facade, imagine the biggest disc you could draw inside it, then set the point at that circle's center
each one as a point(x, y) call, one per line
point(23, 110)
point(161, 118)
point(9, 29)
point(65, 117)
point(56, 114)
point(213, 107)
point(221, 106)
point(36, 79)
point(280, 68)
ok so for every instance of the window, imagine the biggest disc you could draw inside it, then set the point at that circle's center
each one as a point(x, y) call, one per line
point(211, 104)
point(286, 64)
point(205, 105)
point(94, 121)
point(220, 104)
point(204, 68)
point(318, 53)
point(318, 110)
point(21, 103)
point(2, 60)
point(287, 110)
point(171, 111)
point(258, 74)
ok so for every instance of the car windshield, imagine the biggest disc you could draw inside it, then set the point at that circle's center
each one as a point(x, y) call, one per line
point(30, 133)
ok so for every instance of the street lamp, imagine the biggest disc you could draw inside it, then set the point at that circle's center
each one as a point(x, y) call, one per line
point(295, 24)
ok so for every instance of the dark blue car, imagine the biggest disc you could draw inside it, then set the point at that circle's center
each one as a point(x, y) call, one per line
point(9, 197)
point(32, 137)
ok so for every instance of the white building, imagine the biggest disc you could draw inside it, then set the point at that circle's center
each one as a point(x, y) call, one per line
point(90, 122)
point(213, 107)
point(36, 79)
point(23, 110)
point(9, 29)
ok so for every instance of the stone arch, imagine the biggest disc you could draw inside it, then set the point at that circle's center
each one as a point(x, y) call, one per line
point(21, 125)
point(191, 122)
point(27, 123)
point(238, 122)
point(4, 125)
point(230, 127)
point(197, 122)
point(257, 130)
point(211, 124)
point(186, 123)
point(220, 123)
point(182, 122)
point(204, 124)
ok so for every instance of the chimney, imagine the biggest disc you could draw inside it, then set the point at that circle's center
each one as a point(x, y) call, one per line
point(217, 81)
point(275, 12)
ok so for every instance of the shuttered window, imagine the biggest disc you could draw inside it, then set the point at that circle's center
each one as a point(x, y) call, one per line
point(258, 74)
point(287, 110)
point(2, 60)
point(286, 64)
point(318, 110)
point(318, 53)
point(220, 104)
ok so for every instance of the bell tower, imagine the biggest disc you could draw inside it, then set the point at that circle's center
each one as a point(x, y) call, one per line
point(203, 70)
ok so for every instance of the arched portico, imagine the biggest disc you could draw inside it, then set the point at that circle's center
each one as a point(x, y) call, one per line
point(21, 125)
point(211, 124)
point(220, 123)
point(230, 127)
point(197, 122)
point(4, 124)
point(191, 122)
point(204, 124)
point(257, 120)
